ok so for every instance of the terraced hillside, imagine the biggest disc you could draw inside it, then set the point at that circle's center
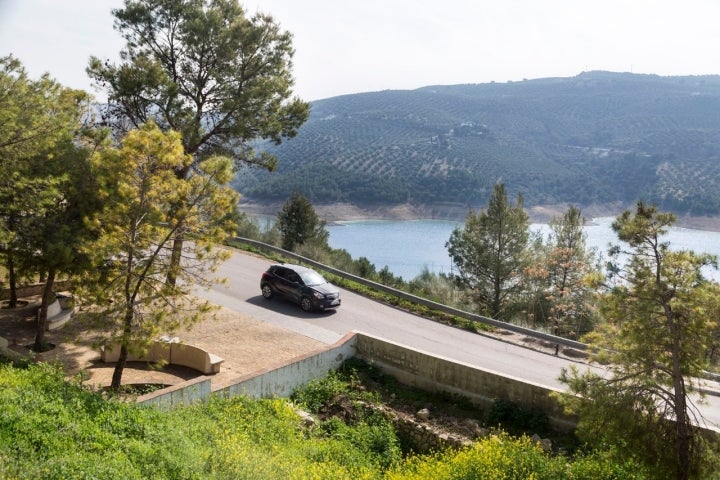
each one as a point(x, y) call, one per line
point(599, 137)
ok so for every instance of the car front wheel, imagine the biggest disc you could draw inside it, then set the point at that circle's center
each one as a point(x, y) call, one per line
point(306, 304)
point(267, 292)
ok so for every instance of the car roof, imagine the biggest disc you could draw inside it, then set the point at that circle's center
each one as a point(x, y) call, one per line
point(294, 267)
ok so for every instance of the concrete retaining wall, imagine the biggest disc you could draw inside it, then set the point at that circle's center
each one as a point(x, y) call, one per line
point(186, 393)
point(434, 373)
point(405, 364)
point(280, 381)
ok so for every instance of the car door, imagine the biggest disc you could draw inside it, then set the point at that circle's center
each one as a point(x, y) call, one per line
point(281, 282)
point(294, 286)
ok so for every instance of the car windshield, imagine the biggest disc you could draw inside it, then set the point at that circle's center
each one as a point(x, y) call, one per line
point(311, 278)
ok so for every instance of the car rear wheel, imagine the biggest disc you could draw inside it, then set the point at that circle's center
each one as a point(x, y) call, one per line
point(306, 304)
point(267, 292)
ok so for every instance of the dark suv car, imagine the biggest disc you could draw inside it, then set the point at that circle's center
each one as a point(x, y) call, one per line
point(301, 285)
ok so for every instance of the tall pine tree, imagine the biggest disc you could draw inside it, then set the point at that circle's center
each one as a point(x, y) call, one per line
point(490, 253)
point(659, 314)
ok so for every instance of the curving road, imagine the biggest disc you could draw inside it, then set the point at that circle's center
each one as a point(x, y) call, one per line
point(357, 313)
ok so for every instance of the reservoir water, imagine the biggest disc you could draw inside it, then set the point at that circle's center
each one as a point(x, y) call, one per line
point(407, 247)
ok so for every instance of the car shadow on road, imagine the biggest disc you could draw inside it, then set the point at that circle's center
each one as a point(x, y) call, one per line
point(286, 307)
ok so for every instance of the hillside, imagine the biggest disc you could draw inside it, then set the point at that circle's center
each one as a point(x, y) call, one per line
point(596, 138)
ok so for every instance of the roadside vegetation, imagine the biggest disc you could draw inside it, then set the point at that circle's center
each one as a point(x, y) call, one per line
point(55, 429)
point(648, 312)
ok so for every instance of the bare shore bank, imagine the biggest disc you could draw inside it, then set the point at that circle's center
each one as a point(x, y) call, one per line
point(344, 212)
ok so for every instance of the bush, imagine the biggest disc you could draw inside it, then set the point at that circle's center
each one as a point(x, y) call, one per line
point(54, 429)
point(502, 457)
point(517, 419)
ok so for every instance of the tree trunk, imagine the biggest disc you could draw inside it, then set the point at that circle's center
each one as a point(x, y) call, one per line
point(175, 257)
point(683, 429)
point(12, 279)
point(119, 367)
point(122, 360)
point(682, 441)
point(47, 298)
point(496, 302)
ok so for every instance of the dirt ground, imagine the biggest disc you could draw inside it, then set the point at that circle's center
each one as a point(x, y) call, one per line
point(246, 345)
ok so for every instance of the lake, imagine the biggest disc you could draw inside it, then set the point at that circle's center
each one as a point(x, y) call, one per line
point(407, 247)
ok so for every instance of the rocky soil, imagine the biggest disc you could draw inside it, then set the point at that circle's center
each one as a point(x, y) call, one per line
point(428, 421)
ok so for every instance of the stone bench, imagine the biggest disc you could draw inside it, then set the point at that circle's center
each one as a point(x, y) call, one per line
point(169, 351)
point(194, 357)
point(59, 312)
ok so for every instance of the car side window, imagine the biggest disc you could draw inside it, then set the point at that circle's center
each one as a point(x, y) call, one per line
point(294, 277)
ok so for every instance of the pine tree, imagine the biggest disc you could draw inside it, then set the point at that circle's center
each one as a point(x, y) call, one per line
point(204, 69)
point(659, 312)
point(299, 224)
point(490, 252)
point(145, 207)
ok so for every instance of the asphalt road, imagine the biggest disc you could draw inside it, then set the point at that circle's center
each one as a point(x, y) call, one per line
point(357, 313)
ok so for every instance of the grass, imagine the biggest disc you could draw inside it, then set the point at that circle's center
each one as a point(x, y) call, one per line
point(54, 429)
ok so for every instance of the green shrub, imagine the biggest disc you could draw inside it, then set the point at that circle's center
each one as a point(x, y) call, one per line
point(322, 391)
point(517, 419)
point(50, 428)
point(54, 429)
point(502, 457)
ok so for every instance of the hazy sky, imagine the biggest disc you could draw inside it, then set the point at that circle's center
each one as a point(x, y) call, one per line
point(367, 45)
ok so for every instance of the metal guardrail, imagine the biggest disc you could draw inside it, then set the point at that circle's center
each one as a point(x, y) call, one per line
point(418, 300)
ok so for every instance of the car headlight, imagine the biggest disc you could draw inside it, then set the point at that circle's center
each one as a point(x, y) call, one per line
point(318, 295)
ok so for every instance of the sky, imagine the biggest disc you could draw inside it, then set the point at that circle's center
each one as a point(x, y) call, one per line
point(344, 47)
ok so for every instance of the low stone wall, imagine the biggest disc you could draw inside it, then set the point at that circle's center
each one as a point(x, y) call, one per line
point(14, 352)
point(423, 437)
point(59, 312)
point(158, 352)
point(34, 289)
point(194, 357)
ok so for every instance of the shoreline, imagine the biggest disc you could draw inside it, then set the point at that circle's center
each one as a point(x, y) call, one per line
point(345, 212)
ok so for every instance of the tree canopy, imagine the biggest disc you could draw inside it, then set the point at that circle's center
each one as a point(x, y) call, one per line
point(45, 189)
point(558, 273)
point(298, 223)
point(145, 207)
point(489, 252)
point(206, 70)
point(659, 313)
